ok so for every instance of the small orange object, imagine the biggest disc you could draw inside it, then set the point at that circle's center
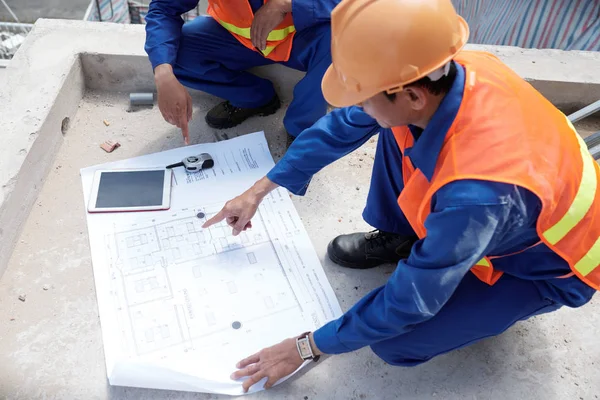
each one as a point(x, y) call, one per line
point(106, 123)
point(109, 146)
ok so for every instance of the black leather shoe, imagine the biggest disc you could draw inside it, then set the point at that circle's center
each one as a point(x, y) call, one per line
point(224, 115)
point(369, 249)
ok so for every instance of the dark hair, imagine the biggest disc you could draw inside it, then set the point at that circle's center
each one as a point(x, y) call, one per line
point(441, 86)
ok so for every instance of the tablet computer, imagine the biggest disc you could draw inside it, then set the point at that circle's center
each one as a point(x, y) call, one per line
point(122, 190)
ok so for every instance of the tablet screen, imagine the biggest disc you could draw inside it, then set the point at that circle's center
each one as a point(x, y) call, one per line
point(122, 189)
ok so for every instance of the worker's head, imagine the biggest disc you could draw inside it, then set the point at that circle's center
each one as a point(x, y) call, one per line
point(393, 57)
point(415, 103)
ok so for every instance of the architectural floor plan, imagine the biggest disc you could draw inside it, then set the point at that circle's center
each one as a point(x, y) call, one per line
point(173, 295)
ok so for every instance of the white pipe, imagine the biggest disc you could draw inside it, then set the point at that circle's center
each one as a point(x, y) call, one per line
point(585, 112)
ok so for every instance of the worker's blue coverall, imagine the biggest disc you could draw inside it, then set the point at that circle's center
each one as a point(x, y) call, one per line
point(432, 303)
point(206, 57)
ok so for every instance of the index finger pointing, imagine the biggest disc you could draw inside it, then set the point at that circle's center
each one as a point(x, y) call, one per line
point(184, 127)
point(220, 216)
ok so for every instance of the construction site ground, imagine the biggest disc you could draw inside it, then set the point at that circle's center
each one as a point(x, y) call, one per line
point(51, 344)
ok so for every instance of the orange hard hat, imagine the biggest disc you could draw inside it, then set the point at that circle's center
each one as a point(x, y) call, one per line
point(382, 45)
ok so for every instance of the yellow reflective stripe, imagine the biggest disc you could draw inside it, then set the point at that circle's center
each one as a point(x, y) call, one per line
point(583, 199)
point(590, 261)
point(267, 50)
point(280, 34)
point(277, 34)
point(483, 263)
point(244, 32)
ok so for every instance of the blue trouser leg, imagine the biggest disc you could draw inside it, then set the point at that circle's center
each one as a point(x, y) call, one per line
point(474, 312)
point(311, 52)
point(382, 210)
point(210, 59)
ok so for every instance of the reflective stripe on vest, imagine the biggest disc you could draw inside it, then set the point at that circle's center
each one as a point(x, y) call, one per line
point(583, 200)
point(579, 207)
point(236, 17)
point(277, 34)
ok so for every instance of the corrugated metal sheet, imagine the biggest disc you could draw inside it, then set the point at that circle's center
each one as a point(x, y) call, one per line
point(556, 24)
point(125, 11)
point(109, 11)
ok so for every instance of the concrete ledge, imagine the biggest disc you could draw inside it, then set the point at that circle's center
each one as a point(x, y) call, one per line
point(44, 82)
point(569, 79)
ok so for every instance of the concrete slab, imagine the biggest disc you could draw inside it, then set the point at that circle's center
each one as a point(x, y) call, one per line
point(50, 344)
point(53, 347)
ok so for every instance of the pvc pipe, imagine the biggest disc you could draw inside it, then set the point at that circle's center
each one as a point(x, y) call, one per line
point(141, 99)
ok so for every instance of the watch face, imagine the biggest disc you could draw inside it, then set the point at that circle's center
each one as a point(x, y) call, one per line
point(304, 348)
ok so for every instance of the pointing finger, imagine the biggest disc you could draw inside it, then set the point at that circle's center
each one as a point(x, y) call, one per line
point(220, 216)
point(184, 127)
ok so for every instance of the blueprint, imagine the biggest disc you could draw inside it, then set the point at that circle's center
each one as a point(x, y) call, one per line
point(181, 305)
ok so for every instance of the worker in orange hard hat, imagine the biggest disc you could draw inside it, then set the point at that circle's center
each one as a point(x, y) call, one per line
point(482, 192)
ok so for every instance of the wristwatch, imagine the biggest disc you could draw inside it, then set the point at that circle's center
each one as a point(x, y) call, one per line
point(304, 348)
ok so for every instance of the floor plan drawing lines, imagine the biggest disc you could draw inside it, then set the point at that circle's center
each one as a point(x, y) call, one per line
point(180, 304)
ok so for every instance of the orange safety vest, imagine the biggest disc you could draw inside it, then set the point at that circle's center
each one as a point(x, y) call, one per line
point(505, 131)
point(236, 16)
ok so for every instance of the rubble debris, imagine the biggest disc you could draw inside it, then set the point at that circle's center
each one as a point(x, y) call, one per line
point(110, 145)
point(46, 287)
point(22, 297)
point(10, 43)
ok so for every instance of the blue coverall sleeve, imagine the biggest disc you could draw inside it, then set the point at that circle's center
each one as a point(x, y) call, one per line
point(329, 139)
point(308, 13)
point(460, 231)
point(163, 29)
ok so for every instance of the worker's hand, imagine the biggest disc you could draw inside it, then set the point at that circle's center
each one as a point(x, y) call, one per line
point(240, 210)
point(274, 363)
point(266, 19)
point(174, 101)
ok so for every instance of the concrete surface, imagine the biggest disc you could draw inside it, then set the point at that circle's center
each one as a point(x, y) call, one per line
point(53, 347)
point(50, 344)
point(30, 10)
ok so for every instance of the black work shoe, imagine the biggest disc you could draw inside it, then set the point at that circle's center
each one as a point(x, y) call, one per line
point(224, 115)
point(369, 249)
